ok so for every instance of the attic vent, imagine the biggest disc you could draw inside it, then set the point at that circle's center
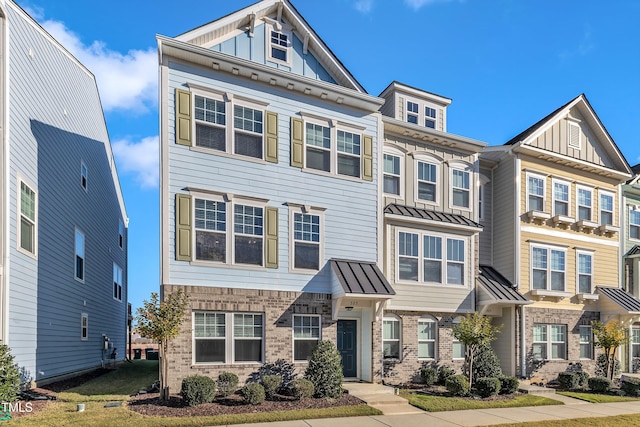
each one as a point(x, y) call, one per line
point(573, 135)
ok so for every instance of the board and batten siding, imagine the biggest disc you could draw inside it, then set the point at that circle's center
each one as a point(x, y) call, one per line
point(55, 123)
point(350, 216)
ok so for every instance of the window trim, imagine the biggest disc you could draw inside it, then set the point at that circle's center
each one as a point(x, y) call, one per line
point(118, 277)
point(427, 318)
point(391, 317)
point(432, 160)
point(589, 343)
point(636, 225)
point(467, 168)
point(611, 194)
point(591, 254)
point(84, 327)
point(412, 113)
point(392, 151)
point(77, 255)
point(421, 115)
point(560, 181)
point(548, 269)
point(234, 339)
point(293, 334)
point(632, 341)
point(543, 178)
point(549, 342)
point(279, 27)
point(578, 205)
point(34, 237)
point(294, 209)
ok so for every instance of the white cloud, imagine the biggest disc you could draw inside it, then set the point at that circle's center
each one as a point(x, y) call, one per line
point(140, 159)
point(417, 4)
point(126, 81)
point(363, 6)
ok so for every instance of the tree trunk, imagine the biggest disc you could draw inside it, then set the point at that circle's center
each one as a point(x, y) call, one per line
point(612, 364)
point(470, 353)
point(164, 370)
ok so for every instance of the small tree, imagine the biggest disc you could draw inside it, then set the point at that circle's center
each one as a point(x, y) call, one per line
point(160, 321)
point(474, 331)
point(325, 370)
point(9, 376)
point(609, 337)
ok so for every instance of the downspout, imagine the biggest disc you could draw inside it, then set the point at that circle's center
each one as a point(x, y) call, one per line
point(523, 343)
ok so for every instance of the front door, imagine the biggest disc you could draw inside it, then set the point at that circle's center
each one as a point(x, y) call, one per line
point(347, 346)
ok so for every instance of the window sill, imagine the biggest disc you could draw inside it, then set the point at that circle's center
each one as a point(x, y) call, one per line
point(562, 220)
point(583, 224)
point(227, 155)
point(216, 264)
point(584, 297)
point(303, 271)
point(541, 294)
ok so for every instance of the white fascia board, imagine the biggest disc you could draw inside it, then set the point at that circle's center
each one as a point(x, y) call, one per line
point(402, 128)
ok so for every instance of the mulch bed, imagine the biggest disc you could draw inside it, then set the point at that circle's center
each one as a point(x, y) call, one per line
point(150, 404)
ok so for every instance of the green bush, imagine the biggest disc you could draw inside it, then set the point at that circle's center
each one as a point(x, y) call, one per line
point(444, 373)
point(281, 368)
point(428, 375)
point(630, 386)
point(253, 393)
point(9, 376)
point(458, 385)
point(486, 364)
point(600, 384)
point(487, 386)
point(583, 379)
point(271, 384)
point(508, 385)
point(302, 388)
point(227, 383)
point(568, 380)
point(197, 389)
point(325, 370)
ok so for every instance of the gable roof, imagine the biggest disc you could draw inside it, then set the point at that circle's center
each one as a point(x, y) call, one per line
point(245, 19)
point(582, 103)
point(620, 297)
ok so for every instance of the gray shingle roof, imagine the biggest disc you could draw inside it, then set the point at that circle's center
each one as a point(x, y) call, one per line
point(498, 286)
point(621, 297)
point(358, 277)
point(413, 212)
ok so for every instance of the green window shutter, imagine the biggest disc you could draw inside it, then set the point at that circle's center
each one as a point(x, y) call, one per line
point(367, 158)
point(183, 117)
point(183, 227)
point(297, 143)
point(271, 149)
point(271, 234)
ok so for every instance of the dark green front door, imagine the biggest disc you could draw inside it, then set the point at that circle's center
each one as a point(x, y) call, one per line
point(348, 346)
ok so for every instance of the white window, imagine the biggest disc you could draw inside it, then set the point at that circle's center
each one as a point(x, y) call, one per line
point(606, 208)
point(247, 131)
point(585, 272)
point(279, 41)
point(348, 154)
point(586, 342)
point(391, 337)
point(548, 268)
point(84, 173)
point(634, 224)
point(332, 149)
point(241, 342)
point(412, 112)
point(84, 326)
point(27, 218)
point(306, 240)
point(460, 184)
point(427, 338)
point(80, 258)
point(549, 341)
point(584, 203)
point(392, 174)
point(535, 192)
point(279, 46)
point(223, 228)
point(573, 135)
point(635, 342)
point(117, 282)
point(458, 348)
point(211, 119)
point(306, 335)
point(438, 260)
point(430, 117)
point(561, 196)
point(120, 233)
point(427, 190)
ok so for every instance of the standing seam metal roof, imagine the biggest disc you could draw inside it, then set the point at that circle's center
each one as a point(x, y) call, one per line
point(358, 277)
point(498, 285)
point(413, 212)
point(621, 297)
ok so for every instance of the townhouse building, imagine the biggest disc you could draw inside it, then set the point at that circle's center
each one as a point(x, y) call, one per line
point(63, 240)
point(554, 197)
point(269, 185)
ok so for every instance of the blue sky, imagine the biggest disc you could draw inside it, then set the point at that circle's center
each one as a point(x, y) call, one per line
point(505, 63)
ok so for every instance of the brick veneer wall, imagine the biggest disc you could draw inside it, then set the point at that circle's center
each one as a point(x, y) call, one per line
point(549, 369)
point(278, 308)
point(407, 368)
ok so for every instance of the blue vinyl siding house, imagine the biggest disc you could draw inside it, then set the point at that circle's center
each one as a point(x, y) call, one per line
point(269, 191)
point(63, 290)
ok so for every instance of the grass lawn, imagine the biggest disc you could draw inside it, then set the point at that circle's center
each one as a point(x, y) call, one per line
point(597, 398)
point(117, 386)
point(442, 403)
point(620, 420)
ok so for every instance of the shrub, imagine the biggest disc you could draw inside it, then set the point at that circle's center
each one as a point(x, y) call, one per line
point(197, 389)
point(568, 380)
point(227, 383)
point(302, 388)
point(325, 370)
point(583, 379)
point(630, 386)
point(601, 362)
point(508, 385)
point(253, 393)
point(487, 386)
point(271, 384)
point(600, 384)
point(444, 373)
point(458, 385)
point(281, 368)
point(486, 364)
point(428, 375)
point(9, 376)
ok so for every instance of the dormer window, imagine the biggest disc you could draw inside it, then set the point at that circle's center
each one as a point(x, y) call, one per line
point(412, 112)
point(430, 117)
point(279, 46)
